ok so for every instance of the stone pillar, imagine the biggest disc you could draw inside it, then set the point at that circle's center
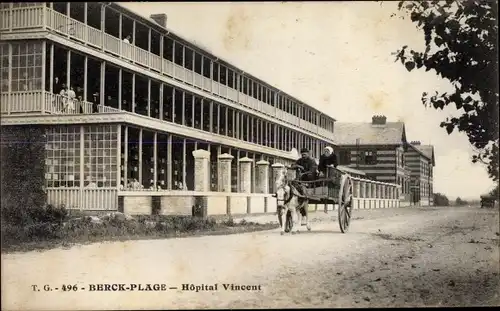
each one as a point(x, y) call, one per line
point(201, 170)
point(225, 172)
point(245, 175)
point(201, 182)
point(357, 187)
point(374, 195)
point(277, 169)
point(262, 180)
point(384, 195)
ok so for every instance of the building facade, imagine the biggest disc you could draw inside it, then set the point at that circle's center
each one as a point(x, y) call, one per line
point(381, 150)
point(124, 102)
point(421, 161)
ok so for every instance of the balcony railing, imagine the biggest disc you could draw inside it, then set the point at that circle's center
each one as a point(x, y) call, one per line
point(46, 102)
point(33, 17)
point(26, 17)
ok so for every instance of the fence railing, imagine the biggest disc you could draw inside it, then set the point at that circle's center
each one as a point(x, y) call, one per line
point(46, 102)
point(26, 17)
point(33, 17)
point(84, 199)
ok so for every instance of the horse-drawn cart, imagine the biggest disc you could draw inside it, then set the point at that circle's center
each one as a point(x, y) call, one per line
point(336, 188)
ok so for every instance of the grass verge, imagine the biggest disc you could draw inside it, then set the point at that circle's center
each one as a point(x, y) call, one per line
point(116, 227)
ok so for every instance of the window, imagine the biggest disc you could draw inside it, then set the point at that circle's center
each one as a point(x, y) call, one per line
point(344, 157)
point(206, 115)
point(197, 63)
point(223, 75)
point(369, 157)
point(168, 49)
point(178, 53)
point(177, 163)
point(26, 66)
point(162, 161)
point(216, 72)
point(4, 67)
point(188, 58)
point(230, 79)
point(100, 148)
point(62, 160)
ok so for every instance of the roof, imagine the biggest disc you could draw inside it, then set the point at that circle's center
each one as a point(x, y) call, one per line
point(391, 133)
point(197, 47)
point(427, 151)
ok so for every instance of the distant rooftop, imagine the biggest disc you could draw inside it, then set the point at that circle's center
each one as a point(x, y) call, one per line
point(378, 132)
point(425, 150)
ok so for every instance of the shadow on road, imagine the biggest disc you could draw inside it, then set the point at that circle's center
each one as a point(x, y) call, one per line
point(317, 232)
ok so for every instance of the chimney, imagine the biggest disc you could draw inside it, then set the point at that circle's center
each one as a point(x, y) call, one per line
point(379, 120)
point(160, 19)
point(416, 142)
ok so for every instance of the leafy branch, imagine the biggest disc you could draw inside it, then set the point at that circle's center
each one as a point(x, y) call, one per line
point(461, 47)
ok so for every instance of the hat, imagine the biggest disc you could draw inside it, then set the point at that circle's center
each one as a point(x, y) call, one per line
point(304, 150)
point(329, 149)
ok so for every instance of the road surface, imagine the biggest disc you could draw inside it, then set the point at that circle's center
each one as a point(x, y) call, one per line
point(404, 257)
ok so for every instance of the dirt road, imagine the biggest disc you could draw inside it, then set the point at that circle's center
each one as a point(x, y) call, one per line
point(391, 257)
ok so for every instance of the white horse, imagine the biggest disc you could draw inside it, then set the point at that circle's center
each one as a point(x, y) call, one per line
point(289, 199)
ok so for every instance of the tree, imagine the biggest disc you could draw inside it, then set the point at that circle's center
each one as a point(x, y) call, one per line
point(461, 46)
point(440, 200)
point(22, 173)
point(494, 192)
point(460, 202)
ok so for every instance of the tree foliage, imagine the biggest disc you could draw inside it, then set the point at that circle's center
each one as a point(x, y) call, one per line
point(494, 192)
point(440, 200)
point(461, 46)
point(460, 202)
point(22, 173)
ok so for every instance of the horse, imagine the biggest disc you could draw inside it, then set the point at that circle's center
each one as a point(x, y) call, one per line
point(292, 200)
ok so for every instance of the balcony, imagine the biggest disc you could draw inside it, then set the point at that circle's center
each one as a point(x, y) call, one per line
point(42, 17)
point(42, 102)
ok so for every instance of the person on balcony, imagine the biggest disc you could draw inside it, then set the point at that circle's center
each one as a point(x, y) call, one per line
point(81, 103)
point(127, 39)
point(112, 102)
point(57, 86)
point(95, 102)
point(70, 103)
point(64, 98)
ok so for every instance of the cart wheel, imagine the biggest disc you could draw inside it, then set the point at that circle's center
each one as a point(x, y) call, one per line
point(345, 204)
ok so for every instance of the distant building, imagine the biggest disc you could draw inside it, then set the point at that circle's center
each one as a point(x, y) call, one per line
point(420, 159)
point(381, 150)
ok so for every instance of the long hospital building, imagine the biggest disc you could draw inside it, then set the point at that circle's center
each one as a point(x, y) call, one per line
point(123, 102)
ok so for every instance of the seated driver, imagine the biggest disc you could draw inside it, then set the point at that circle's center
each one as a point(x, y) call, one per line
point(309, 168)
point(326, 159)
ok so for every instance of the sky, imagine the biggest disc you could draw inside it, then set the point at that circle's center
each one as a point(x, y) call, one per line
point(336, 57)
